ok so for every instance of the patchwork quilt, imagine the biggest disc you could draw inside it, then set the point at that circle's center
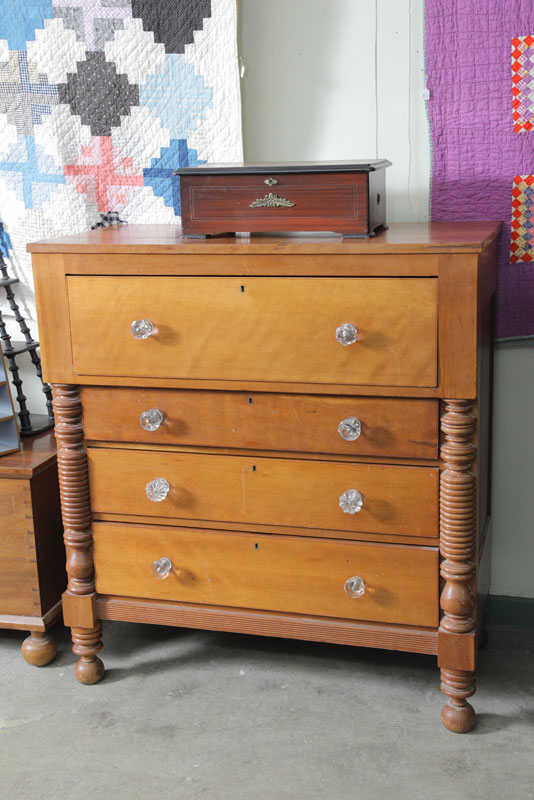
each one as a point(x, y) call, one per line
point(100, 101)
point(480, 74)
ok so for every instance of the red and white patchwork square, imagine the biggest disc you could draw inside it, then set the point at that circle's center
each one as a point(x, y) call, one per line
point(523, 83)
point(522, 235)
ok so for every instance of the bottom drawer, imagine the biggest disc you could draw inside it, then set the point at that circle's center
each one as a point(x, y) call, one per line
point(399, 584)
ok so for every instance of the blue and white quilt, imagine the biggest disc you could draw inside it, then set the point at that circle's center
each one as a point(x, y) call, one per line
point(100, 101)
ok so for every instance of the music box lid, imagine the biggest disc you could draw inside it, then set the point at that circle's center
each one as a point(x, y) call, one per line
point(265, 167)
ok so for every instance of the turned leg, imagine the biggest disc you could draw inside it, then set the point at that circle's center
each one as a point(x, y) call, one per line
point(458, 715)
point(87, 644)
point(38, 649)
point(457, 631)
point(76, 512)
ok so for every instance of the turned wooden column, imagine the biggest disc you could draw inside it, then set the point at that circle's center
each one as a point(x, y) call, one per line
point(458, 550)
point(76, 512)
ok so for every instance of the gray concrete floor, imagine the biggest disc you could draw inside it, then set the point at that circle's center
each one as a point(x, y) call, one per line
point(190, 714)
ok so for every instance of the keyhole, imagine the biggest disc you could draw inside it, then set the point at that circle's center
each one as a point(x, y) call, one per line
point(253, 469)
point(242, 288)
point(250, 401)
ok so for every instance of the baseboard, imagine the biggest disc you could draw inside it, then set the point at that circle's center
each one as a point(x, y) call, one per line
point(510, 612)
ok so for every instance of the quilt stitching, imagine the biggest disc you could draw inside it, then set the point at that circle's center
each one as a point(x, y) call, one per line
point(480, 122)
point(24, 95)
point(93, 21)
point(523, 80)
point(100, 101)
point(522, 234)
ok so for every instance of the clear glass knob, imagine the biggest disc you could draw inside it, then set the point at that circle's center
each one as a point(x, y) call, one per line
point(151, 420)
point(351, 501)
point(349, 428)
point(157, 490)
point(347, 334)
point(161, 568)
point(355, 587)
point(142, 328)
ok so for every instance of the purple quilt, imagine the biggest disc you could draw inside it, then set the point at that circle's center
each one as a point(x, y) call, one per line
point(480, 68)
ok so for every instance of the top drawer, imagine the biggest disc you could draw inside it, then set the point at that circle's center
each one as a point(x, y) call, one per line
point(257, 329)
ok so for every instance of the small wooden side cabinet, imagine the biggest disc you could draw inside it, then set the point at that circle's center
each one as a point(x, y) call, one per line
point(32, 554)
point(280, 436)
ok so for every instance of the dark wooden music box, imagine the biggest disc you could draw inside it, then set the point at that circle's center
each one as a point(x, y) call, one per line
point(346, 197)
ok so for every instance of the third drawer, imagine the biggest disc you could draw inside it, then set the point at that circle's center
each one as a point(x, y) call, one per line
point(364, 426)
point(294, 493)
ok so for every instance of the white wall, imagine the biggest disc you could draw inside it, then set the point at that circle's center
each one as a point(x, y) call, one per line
point(31, 385)
point(513, 471)
point(328, 79)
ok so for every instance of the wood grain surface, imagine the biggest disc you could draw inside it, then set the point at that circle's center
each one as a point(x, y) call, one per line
point(350, 265)
point(319, 202)
point(36, 454)
point(32, 556)
point(401, 238)
point(19, 584)
point(53, 315)
point(292, 492)
point(250, 420)
point(258, 329)
point(269, 623)
point(269, 572)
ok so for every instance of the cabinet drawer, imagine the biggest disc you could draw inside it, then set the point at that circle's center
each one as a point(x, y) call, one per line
point(266, 491)
point(257, 329)
point(264, 421)
point(276, 573)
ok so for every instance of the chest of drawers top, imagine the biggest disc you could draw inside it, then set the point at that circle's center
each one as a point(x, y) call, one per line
point(277, 312)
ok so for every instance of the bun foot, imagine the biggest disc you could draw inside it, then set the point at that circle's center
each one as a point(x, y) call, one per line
point(458, 717)
point(87, 644)
point(38, 649)
point(89, 670)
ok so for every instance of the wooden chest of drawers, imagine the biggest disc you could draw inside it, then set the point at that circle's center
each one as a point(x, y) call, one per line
point(281, 436)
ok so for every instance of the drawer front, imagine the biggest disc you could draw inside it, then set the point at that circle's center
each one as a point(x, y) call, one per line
point(301, 423)
point(276, 573)
point(257, 329)
point(266, 491)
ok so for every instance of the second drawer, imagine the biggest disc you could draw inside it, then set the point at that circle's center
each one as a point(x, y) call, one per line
point(398, 427)
point(296, 493)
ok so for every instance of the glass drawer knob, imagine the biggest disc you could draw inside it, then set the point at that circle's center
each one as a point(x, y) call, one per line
point(351, 501)
point(355, 587)
point(151, 420)
point(157, 490)
point(349, 428)
point(142, 328)
point(161, 568)
point(347, 334)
